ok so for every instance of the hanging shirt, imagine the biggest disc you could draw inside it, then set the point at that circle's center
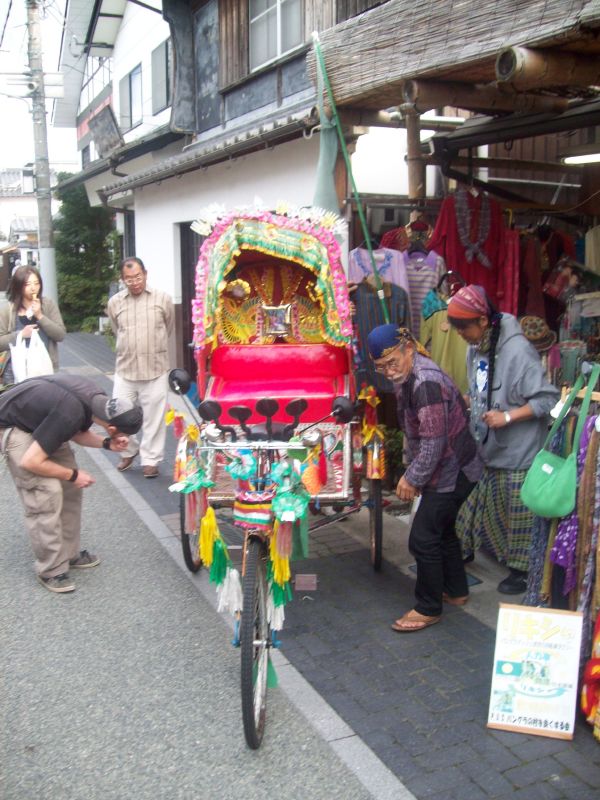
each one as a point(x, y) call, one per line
point(508, 279)
point(368, 315)
point(481, 223)
point(447, 347)
point(390, 266)
point(424, 271)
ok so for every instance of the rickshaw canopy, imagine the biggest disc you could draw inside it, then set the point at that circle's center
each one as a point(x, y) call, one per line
point(287, 240)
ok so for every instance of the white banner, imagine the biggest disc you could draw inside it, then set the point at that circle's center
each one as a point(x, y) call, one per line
point(536, 671)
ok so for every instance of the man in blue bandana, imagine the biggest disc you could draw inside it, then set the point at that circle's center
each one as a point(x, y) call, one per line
point(443, 468)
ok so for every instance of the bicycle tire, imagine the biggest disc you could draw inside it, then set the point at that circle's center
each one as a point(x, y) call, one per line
point(376, 523)
point(189, 541)
point(254, 634)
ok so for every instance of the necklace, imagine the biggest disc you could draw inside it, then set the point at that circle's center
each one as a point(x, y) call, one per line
point(463, 223)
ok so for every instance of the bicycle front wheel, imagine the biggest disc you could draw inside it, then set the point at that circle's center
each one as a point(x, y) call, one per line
point(254, 634)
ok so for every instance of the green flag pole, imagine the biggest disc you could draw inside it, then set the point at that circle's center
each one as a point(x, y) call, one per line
point(359, 205)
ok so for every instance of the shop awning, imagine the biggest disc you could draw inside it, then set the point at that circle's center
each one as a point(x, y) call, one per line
point(369, 57)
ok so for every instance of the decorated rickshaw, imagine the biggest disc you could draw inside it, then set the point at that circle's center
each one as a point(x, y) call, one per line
point(280, 429)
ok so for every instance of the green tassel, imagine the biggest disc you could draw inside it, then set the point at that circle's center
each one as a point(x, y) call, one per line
point(218, 568)
point(281, 594)
point(272, 681)
point(300, 539)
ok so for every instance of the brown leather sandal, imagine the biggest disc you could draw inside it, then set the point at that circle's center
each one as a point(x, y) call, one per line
point(456, 601)
point(412, 621)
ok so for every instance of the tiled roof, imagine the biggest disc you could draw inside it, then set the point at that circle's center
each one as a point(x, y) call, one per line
point(23, 225)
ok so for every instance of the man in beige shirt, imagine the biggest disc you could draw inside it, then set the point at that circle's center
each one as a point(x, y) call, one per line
point(142, 321)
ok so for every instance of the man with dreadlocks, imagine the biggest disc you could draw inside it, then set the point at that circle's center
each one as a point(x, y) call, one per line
point(444, 465)
point(510, 399)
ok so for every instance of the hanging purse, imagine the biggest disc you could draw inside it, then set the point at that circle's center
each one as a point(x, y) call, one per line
point(550, 486)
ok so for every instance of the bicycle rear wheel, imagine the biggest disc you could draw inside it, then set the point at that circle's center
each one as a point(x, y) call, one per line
point(254, 634)
point(189, 541)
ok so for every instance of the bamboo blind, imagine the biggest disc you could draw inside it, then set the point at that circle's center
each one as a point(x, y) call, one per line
point(369, 56)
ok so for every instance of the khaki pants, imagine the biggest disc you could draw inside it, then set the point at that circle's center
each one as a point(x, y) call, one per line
point(152, 397)
point(52, 507)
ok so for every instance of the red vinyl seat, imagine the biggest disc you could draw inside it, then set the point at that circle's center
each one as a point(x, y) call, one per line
point(241, 374)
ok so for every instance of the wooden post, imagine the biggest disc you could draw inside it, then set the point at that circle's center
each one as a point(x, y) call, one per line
point(425, 95)
point(414, 158)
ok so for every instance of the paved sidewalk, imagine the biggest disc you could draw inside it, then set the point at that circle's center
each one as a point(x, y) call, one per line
point(414, 704)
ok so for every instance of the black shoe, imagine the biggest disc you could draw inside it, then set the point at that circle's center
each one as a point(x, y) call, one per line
point(514, 583)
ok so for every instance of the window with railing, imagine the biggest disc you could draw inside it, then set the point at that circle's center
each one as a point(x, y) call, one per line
point(97, 74)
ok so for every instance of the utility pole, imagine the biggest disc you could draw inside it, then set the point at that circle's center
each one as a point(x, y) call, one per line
point(40, 144)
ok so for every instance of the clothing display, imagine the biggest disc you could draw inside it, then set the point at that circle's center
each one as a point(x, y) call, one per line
point(509, 279)
point(447, 347)
point(564, 558)
point(424, 271)
point(469, 235)
point(538, 278)
point(390, 266)
point(368, 315)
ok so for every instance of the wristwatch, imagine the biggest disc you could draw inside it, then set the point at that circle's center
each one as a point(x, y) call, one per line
point(106, 443)
point(507, 418)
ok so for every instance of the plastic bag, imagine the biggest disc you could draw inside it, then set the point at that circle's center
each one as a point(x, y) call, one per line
point(32, 361)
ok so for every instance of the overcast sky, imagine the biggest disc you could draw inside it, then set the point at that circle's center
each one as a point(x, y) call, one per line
point(16, 128)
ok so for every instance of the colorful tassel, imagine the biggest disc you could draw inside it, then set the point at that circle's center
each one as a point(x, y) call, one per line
point(230, 592)
point(284, 539)
point(191, 511)
point(322, 467)
point(220, 562)
point(275, 614)
point(280, 566)
point(208, 534)
point(312, 480)
point(300, 539)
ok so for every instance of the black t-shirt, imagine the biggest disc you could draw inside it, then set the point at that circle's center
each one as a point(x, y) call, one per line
point(53, 409)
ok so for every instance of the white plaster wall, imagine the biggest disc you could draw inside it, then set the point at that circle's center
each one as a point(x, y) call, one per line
point(140, 33)
point(286, 172)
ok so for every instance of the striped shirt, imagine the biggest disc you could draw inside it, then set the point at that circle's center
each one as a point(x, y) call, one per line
point(423, 271)
point(142, 325)
point(433, 416)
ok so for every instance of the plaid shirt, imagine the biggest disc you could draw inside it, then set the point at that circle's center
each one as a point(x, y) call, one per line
point(142, 325)
point(434, 418)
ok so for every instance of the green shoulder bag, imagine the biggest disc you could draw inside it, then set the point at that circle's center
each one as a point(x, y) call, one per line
point(550, 486)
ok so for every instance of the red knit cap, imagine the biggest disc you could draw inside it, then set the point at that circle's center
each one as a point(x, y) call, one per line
point(470, 302)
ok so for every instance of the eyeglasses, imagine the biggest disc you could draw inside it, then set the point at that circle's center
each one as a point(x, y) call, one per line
point(389, 366)
point(132, 281)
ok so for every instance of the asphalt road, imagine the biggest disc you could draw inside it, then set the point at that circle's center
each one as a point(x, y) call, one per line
point(129, 687)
